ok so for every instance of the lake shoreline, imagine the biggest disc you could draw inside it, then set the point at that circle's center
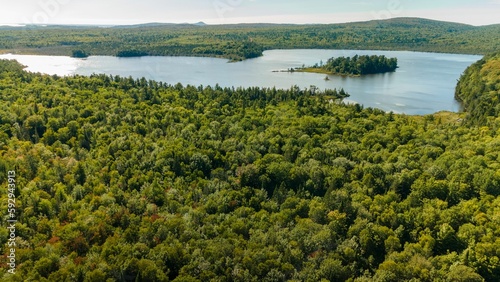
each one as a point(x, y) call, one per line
point(424, 83)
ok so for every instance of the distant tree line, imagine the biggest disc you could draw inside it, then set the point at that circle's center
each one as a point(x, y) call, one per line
point(131, 53)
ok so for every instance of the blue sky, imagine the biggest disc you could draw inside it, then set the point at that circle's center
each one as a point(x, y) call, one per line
point(475, 12)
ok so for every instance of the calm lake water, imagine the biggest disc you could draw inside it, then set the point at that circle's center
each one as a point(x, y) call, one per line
point(424, 83)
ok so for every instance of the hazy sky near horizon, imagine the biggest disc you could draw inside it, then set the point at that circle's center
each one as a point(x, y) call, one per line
point(111, 12)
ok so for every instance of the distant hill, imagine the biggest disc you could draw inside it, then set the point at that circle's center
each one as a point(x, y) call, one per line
point(242, 41)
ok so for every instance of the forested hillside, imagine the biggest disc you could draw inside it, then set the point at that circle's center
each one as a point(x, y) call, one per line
point(238, 42)
point(479, 90)
point(121, 179)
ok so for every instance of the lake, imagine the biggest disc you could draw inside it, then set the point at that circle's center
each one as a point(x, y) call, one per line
point(424, 83)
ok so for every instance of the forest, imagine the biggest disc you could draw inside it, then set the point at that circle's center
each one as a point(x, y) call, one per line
point(122, 179)
point(245, 41)
point(355, 66)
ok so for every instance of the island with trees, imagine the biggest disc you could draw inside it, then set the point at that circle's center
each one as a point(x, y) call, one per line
point(355, 66)
point(79, 54)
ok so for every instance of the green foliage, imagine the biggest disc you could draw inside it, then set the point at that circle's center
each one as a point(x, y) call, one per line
point(239, 42)
point(123, 179)
point(357, 65)
point(479, 90)
point(79, 54)
point(10, 66)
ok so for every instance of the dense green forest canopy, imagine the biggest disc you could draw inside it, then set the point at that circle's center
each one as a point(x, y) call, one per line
point(479, 90)
point(244, 41)
point(122, 179)
point(357, 65)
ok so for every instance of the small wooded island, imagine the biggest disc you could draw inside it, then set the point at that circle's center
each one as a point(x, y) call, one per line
point(355, 66)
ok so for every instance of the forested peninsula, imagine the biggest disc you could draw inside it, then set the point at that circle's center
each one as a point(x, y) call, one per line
point(479, 90)
point(122, 179)
point(245, 41)
point(355, 66)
